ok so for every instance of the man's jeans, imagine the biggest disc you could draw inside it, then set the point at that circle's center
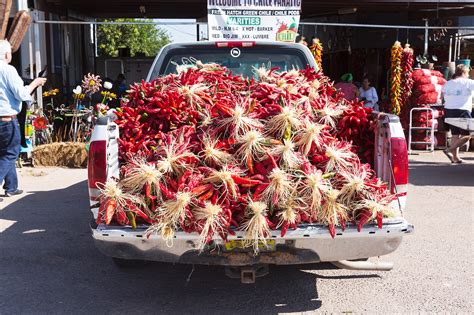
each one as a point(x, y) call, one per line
point(9, 150)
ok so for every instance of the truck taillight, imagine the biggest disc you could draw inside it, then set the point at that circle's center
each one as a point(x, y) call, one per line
point(97, 165)
point(235, 44)
point(399, 160)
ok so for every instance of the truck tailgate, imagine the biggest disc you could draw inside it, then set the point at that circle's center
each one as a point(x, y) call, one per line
point(307, 244)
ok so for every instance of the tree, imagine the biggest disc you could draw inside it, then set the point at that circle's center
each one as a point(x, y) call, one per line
point(139, 38)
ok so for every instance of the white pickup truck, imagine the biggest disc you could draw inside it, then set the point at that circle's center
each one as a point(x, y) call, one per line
point(309, 243)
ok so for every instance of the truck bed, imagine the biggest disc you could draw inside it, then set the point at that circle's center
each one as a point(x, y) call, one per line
point(309, 243)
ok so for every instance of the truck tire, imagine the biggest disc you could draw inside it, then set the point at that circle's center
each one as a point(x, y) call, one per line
point(129, 263)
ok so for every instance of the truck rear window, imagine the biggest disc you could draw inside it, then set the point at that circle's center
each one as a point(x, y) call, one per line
point(240, 64)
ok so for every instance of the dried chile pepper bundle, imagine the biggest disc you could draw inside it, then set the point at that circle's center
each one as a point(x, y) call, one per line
point(207, 152)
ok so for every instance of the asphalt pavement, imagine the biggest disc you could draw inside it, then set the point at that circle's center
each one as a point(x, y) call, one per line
point(48, 262)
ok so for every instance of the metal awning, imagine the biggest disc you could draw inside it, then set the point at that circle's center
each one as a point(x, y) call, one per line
point(197, 8)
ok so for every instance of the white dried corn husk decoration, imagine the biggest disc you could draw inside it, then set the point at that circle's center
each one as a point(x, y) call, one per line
point(170, 215)
point(286, 152)
point(223, 178)
point(332, 212)
point(280, 188)
point(214, 156)
point(112, 190)
point(329, 115)
point(340, 156)
point(281, 125)
point(240, 122)
point(288, 214)
point(374, 206)
point(250, 144)
point(311, 133)
point(174, 160)
point(264, 74)
point(311, 189)
point(194, 93)
point(212, 221)
point(138, 173)
point(256, 225)
point(354, 183)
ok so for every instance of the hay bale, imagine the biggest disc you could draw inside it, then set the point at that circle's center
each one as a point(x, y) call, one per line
point(67, 154)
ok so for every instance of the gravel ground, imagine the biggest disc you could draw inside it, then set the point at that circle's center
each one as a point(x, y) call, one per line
point(48, 262)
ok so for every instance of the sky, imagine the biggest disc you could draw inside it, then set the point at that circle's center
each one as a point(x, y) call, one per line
point(181, 33)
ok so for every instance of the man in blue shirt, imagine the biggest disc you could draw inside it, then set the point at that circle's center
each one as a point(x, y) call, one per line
point(12, 93)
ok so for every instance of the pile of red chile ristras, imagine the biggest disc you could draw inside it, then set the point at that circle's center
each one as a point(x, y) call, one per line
point(207, 152)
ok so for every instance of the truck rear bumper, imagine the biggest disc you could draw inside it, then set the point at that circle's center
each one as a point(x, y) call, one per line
point(307, 244)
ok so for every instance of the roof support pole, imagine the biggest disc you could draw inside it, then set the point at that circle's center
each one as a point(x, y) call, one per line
point(20, 4)
point(39, 90)
point(450, 47)
point(425, 52)
point(455, 56)
point(31, 53)
point(455, 46)
point(459, 46)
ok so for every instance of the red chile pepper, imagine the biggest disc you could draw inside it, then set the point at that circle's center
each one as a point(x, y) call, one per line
point(207, 195)
point(332, 230)
point(260, 169)
point(224, 109)
point(272, 160)
point(363, 217)
point(379, 217)
point(147, 191)
point(258, 177)
point(245, 181)
point(101, 212)
point(142, 214)
point(259, 190)
point(343, 223)
point(199, 190)
point(121, 217)
point(109, 210)
point(215, 197)
point(250, 164)
point(166, 192)
point(172, 183)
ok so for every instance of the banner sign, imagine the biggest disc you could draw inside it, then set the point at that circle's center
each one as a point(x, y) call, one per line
point(253, 20)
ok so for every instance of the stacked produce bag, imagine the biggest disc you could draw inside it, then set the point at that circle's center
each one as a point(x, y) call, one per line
point(427, 85)
point(207, 152)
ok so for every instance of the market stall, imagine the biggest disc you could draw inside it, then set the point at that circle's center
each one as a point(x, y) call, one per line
point(58, 134)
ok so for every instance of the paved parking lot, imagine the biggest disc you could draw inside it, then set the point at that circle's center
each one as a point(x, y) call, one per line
point(48, 262)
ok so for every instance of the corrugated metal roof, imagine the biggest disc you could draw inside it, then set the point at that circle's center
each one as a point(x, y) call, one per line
point(197, 8)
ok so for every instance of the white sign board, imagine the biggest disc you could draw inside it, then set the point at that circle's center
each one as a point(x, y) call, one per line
point(253, 20)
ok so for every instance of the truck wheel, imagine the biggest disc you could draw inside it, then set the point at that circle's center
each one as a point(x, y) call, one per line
point(129, 263)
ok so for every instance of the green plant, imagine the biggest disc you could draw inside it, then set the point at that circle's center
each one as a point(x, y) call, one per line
point(139, 38)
